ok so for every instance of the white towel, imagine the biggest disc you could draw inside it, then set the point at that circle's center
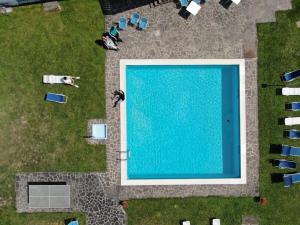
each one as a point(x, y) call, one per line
point(292, 121)
point(290, 91)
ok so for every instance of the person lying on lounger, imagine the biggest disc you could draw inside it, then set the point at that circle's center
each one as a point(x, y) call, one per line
point(60, 79)
point(109, 43)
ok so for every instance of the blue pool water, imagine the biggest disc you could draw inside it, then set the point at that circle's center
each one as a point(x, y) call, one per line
point(183, 122)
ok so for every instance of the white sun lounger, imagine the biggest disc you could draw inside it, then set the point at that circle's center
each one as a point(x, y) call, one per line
point(216, 222)
point(60, 79)
point(290, 91)
point(292, 121)
point(193, 8)
point(236, 1)
point(186, 223)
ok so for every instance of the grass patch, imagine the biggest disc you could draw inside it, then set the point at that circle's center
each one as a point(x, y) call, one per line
point(279, 51)
point(40, 136)
point(12, 218)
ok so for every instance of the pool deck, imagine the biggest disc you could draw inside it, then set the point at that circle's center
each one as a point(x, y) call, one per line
point(242, 125)
point(214, 33)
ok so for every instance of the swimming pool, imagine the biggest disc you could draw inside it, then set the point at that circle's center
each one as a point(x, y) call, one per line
point(183, 122)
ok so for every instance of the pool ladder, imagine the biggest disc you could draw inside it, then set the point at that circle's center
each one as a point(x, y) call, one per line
point(124, 155)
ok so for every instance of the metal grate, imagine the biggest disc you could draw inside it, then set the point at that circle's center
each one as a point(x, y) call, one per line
point(49, 196)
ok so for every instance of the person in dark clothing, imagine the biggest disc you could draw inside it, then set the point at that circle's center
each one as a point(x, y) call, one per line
point(114, 34)
point(118, 96)
point(155, 1)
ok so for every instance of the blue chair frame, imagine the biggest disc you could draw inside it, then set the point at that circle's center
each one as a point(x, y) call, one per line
point(143, 23)
point(292, 106)
point(293, 134)
point(123, 23)
point(284, 164)
point(135, 18)
point(290, 150)
point(58, 98)
point(290, 76)
point(184, 3)
point(290, 179)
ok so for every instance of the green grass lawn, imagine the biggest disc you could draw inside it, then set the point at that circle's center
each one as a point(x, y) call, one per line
point(40, 136)
point(9, 217)
point(279, 51)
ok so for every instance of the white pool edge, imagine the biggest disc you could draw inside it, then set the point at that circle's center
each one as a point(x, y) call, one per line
point(123, 151)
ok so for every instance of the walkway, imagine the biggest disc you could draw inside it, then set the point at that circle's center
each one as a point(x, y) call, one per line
point(214, 33)
point(90, 193)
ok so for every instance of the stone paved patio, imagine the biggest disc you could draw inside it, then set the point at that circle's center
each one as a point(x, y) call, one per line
point(90, 193)
point(213, 33)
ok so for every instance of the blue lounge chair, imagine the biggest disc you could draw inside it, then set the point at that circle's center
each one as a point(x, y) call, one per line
point(200, 1)
point(290, 179)
point(293, 106)
point(290, 151)
point(123, 23)
point(290, 76)
point(284, 164)
point(143, 24)
point(59, 98)
point(135, 18)
point(75, 222)
point(293, 134)
point(184, 3)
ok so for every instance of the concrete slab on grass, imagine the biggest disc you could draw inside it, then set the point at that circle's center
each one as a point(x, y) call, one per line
point(51, 6)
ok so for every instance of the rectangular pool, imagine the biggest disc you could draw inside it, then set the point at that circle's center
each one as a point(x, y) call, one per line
point(182, 122)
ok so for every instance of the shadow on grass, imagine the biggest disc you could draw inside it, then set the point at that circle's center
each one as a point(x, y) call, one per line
point(278, 91)
point(99, 42)
point(272, 85)
point(211, 220)
point(287, 106)
point(87, 136)
point(275, 148)
point(276, 177)
point(286, 133)
point(281, 121)
point(256, 199)
point(181, 221)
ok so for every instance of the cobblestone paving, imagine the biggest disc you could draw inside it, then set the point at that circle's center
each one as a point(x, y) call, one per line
point(90, 193)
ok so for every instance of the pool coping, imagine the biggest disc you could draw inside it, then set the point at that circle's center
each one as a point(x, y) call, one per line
point(123, 151)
